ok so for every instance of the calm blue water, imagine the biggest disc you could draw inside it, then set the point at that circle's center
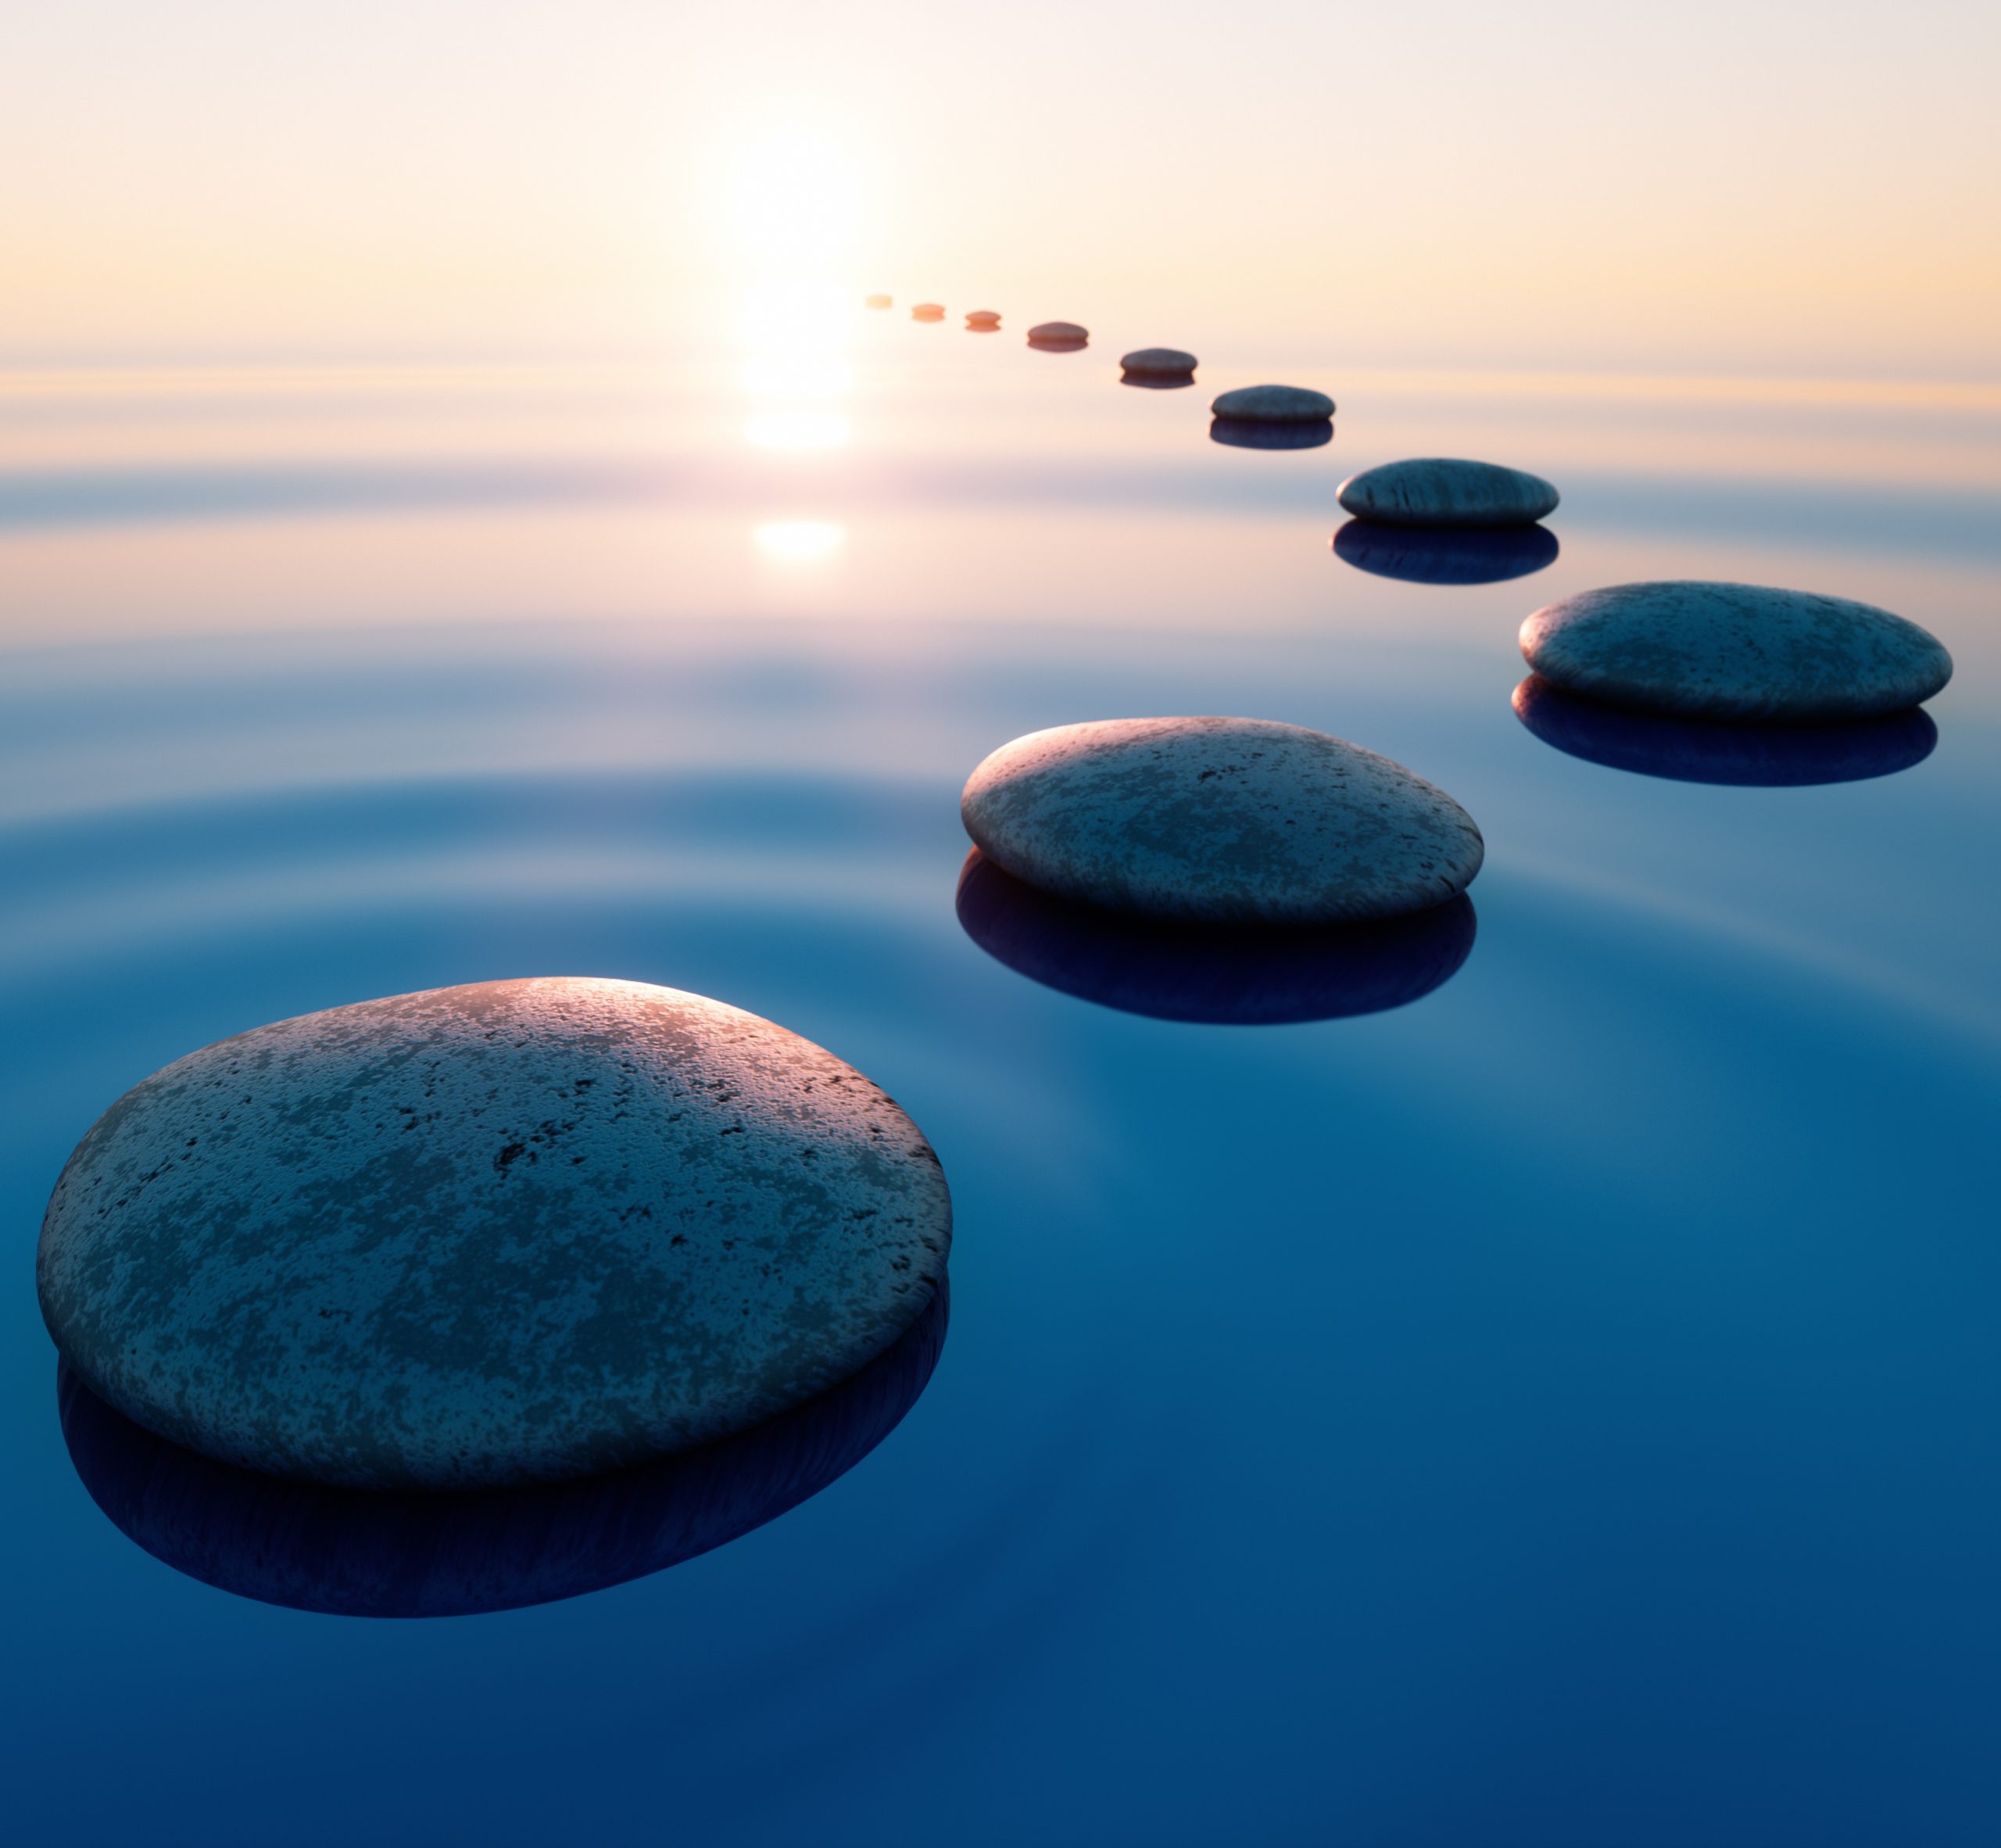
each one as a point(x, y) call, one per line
point(1560, 1410)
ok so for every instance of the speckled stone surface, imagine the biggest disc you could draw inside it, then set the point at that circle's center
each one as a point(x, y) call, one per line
point(1733, 651)
point(1163, 362)
point(1274, 404)
point(511, 1232)
point(1436, 491)
point(1225, 820)
point(1057, 333)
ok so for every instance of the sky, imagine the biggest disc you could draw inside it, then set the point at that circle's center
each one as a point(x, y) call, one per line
point(1771, 187)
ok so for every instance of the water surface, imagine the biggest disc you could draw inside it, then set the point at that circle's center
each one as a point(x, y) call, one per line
point(1558, 1410)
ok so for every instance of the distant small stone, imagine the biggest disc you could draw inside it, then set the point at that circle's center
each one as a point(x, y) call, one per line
point(879, 301)
point(1160, 362)
point(1433, 490)
point(983, 320)
point(1063, 334)
point(1219, 820)
point(928, 311)
point(1274, 404)
point(514, 1232)
point(1734, 651)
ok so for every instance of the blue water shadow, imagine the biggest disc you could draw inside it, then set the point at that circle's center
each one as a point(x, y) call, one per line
point(1697, 750)
point(1252, 433)
point(1235, 975)
point(1446, 554)
point(353, 1552)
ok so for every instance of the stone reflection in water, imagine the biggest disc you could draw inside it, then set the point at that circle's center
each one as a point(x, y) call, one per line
point(1445, 555)
point(1251, 433)
point(363, 1552)
point(1700, 750)
point(1242, 976)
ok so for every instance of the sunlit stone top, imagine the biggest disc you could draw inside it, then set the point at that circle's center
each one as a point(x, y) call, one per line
point(519, 1230)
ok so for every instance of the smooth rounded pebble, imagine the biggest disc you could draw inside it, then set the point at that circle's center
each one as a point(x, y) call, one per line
point(879, 301)
point(1733, 651)
point(516, 1231)
point(1274, 404)
point(1165, 362)
point(983, 317)
point(385, 1554)
point(1225, 820)
point(928, 311)
point(1057, 333)
point(1434, 491)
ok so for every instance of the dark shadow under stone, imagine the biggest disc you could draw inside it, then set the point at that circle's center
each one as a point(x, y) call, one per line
point(361, 1552)
point(1446, 554)
point(1253, 433)
point(1238, 975)
point(1701, 751)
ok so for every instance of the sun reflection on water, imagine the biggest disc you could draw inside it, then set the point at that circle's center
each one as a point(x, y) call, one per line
point(799, 542)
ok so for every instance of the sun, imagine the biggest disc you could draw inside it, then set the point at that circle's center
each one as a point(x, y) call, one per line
point(797, 201)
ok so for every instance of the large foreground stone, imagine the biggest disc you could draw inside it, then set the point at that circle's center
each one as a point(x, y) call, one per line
point(1733, 651)
point(518, 1231)
point(1225, 820)
point(1434, 491)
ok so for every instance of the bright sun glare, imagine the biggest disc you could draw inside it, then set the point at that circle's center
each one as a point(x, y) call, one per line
point(796, 203)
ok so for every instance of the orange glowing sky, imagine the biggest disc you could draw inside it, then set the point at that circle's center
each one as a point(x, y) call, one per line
point(1760, 187)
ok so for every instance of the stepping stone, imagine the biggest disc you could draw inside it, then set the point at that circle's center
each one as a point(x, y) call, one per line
point(1160, 362)
point(1242, 974)
point(1274, 404)
point(1218, 820)
point(389, 1553)
point(928, 311)
point(1733, 651)
point(1705, 751)
point(515, 1232)
point(1434, 492)
point(878, 302)
point(1441, 555)
point(982, 321)
point(1063, 336)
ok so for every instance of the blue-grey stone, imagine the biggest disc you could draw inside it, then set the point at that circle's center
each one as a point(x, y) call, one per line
point(1062, 334)
point(512, 1232)
point(1734, 651)
point(1274, 404)
point(1227, 820)
point(1436, 491)
point(1163, 362)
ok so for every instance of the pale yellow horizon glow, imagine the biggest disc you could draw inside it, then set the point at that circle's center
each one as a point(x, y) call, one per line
point(1772, 188)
